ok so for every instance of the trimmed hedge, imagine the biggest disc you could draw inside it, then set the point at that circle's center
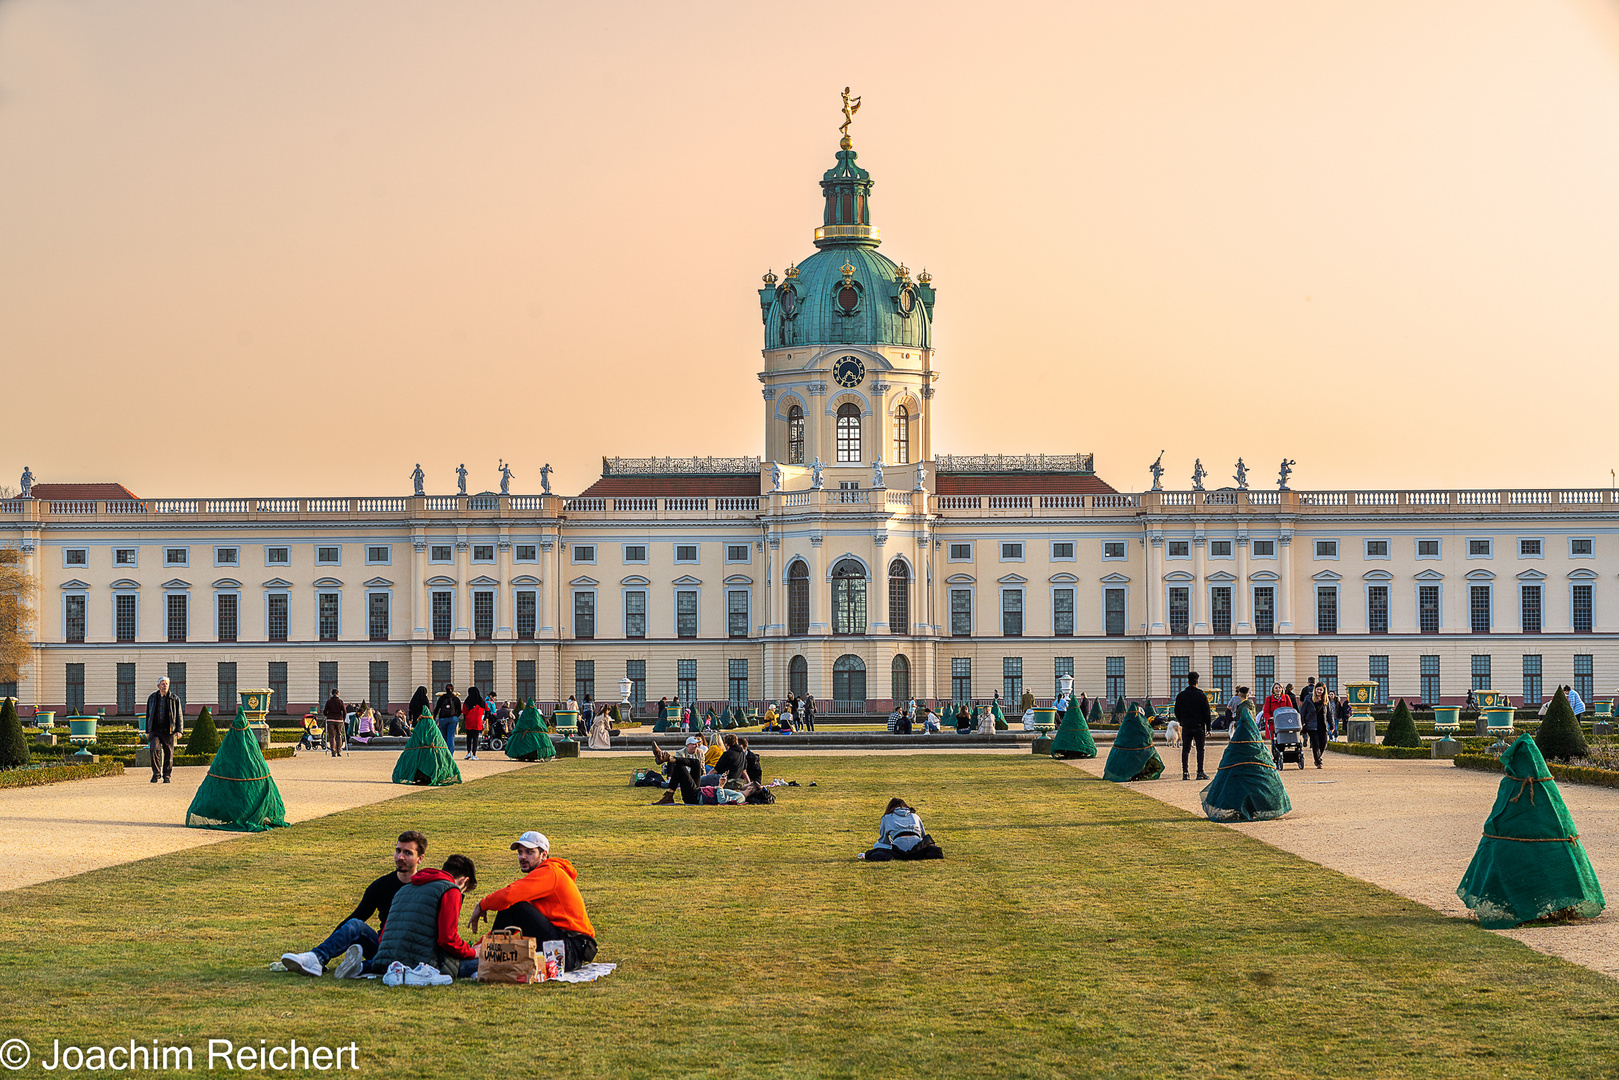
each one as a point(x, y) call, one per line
point(205, 738)
point(1559, 736)
point(1402, 730)
point(1573, 774)
point(274, 753)
point(13, 745)
point(56, 774)
point(1374, 750)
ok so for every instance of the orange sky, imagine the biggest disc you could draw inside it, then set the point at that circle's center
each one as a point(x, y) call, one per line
point(324, 240)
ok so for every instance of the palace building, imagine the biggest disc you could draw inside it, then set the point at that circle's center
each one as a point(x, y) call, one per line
point(849, 561)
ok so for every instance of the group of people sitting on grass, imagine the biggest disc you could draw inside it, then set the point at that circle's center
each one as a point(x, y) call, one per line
point(417, 940)
point(721, 774)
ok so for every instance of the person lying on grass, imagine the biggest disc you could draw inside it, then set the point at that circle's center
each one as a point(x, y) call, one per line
point(355, 931)
point(900, 836)
point(544, 903)
point(421, 926)
point(683, 775)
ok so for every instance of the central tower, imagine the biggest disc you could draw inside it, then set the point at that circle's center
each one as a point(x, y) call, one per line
point(848, 352)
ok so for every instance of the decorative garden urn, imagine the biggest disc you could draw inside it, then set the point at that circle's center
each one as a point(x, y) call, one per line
point(1360, 727)
point(255, 707)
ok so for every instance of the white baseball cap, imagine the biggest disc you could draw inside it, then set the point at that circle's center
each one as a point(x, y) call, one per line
point(532, 839)
point(694, 741)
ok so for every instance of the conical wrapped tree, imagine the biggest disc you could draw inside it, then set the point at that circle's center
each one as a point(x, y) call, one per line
point(1133, 756)
point(1560, 737)
point(1000, 717)
point(204, 739)
point(1073, 737)
point(238, 794)
point(1246, 786)
point(1402, 728)
point(1096, 711)
point(13, 744)
point(426, 759)
point(529, 742)
point(1530, 863)
point(1118, 706)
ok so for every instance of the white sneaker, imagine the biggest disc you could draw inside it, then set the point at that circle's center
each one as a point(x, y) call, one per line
point(395, 975)
point(304, 963)
point(423, 975)
point(352, 961)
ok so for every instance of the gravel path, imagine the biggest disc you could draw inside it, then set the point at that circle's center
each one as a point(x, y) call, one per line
point(59, 830)
point(1411, 827)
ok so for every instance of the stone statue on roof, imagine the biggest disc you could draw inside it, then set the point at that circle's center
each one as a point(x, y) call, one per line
point(1157, 470)
point(1242, 476)
point(1198, 473)
point(505, 477)
point(545, 478)
point(815, 474)
point(1287, 470)
point(877, 474)
point(775, 476)
point(27, 482)
point(921, 476)
point(418, 478)
point(461, 479)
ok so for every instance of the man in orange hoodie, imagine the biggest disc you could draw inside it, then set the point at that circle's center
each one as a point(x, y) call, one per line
point(544, 903)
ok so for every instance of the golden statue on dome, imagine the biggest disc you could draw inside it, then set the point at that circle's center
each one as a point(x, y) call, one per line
point(850, 107)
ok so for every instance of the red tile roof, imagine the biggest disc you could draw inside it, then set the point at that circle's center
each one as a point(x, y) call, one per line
point(82, 491)
point(1022, 484)
point(674, 486)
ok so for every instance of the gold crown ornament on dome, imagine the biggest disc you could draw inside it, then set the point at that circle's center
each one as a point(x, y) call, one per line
point(770, 277)
point(848, 271)
point(925, 278)
point(904, 272)
point(791, 272)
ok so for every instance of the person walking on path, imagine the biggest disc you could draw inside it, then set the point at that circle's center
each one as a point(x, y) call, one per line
point(472, 721)
point(165, 719)
point(447, 713)
point(336, 723)
point(1316, 714)
point(1192, 710)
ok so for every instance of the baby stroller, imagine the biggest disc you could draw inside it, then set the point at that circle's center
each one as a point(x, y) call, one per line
point(1287, 744)
point(314, 737)
point(498, 732)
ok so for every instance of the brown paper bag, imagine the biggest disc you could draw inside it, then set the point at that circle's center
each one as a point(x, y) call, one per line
point(506, 956)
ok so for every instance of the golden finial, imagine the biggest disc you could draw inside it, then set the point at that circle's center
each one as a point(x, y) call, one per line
point(770, 277)
point(924, 277)
point(791, 271)
point(904, 272)
point(850, 107)
point(848, 271)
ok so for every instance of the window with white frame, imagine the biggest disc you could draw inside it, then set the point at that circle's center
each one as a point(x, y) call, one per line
point(1012, 612)
point(483, 614)
point(1480, 547)
point(1180, 549)
point(525, 553)
point(226, 605)
point(1113, 612)
point(1427, 610)
point(1220, 549)
point(378, 622)
point(1581, 547)
point(124, 617)
point(277, 556)
point(1377, 669)
point(1263, 549)
point(227, 556)
point(75, 556)
point(125, 556)
point(1062, 551)
point(1377, 549)
point(584, 614)
point(1113, 550)
point(848, 432)
point(440, 553)
point(686, 613)
point(483, 553)
point(736, 613)
point(378, 554)
point(1428, 665)
point(1115, 678)
point(527, 613)
point(178, 610)
point(176, 556)
point(327, 614)
point(584, 553)
point(1062, 612)
point(1264, 609)
point(328, 556)
point(1011, 552)
point(738, 553)
point(1326, 609)
point(1529, 620)
point(1478, 608)
point(1180, 669)
point(1180, 609)
point(276, 617)
point(1326, 549)
point(902, 436)
point(1531, 547)
point(960, 552)
point(1428, 547)
point(1326, 670)
point(635, 613)
point(635, 553)
point(1377, 609)
point(961, 612)
point(685, 553)
point(1220, 609)
point(1580, 607)
point(73, 617)
point(443, 615)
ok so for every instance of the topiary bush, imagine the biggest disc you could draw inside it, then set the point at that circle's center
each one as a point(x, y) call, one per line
point(13, 746)
point(1402, 728)
point(1118, 706)
point(204, 736)
point(1560, 737)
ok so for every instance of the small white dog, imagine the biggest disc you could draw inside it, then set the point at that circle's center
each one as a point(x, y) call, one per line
point(1172, 733)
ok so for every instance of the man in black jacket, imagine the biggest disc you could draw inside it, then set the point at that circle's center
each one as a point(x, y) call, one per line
point(165, 719)
point(378, 897)
point(1192, 710)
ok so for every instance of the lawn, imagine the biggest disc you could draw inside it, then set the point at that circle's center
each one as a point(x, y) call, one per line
point(1074, 929)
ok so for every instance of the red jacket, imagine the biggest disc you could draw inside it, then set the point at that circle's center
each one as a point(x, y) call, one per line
point(1274, 702)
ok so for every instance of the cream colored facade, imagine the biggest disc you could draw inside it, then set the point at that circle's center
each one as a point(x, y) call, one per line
point(572, 555)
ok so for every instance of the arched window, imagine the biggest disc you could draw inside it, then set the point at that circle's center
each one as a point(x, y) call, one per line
point(900, 683)
point(798, 676)
point(899, 597)
point(795, 436)
point(849, 682)
point(902, 435)
point(848, 598)
point(849, 432)
point(798, 598)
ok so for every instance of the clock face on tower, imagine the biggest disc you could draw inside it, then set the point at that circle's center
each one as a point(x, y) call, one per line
point(848, 371)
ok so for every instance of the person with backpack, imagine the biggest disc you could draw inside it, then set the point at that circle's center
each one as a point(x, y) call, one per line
point(447, 713)
point(900, 835)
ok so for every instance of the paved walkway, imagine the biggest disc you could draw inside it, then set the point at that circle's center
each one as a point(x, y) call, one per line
point(1411, 827)
point(63, 829)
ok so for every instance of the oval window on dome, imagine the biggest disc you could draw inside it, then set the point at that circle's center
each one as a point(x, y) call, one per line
point(848, 298)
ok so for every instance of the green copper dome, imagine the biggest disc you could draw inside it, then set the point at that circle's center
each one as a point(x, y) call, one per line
point(846, 293)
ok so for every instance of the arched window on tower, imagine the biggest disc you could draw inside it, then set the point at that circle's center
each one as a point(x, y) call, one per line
point(798, 676)
point(798, 598)
point(849, 598)
point(902, 435)
point(795, 436)
point(899, 598)
point(849, 433)
point(900, 680)
point(849, 683)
